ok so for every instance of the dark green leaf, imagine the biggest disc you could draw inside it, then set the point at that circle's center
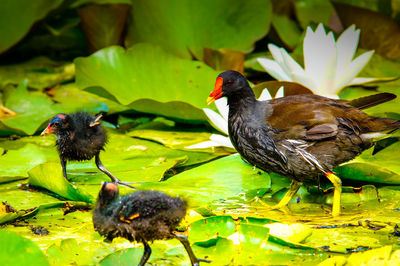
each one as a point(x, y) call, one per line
point(149, 80)
point(14, 26)
point(186, 27)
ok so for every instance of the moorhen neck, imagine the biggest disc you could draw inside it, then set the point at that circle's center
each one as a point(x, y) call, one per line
point(80, 136)
point(301, 137)
point(141, 216)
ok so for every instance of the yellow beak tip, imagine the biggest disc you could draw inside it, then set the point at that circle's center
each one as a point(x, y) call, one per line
point(210, 100)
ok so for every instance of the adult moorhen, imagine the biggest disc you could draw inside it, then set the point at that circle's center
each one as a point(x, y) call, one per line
point(141, 216)
point(80, 136)
point(301, 137)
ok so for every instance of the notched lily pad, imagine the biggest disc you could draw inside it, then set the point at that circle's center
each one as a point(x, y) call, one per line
point(50, 177)
point(148, 79)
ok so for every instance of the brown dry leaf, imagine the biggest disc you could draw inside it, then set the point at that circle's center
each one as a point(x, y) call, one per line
point(224, 59)
point(378, 31)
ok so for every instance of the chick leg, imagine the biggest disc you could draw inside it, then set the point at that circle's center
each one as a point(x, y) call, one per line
point(113, 178)
point(337, 184)
point(146, 254)
point(64, 168)
point(195, 261)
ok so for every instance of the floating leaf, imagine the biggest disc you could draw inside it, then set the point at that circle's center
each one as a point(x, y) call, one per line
point(382, 167)
point(40, 71)
point(34, 109)
point(50, 177)
point(17, 250)
point(15, 164)
point(149, 80)
point(185, 28)
point(14, 26)
point(219, 179)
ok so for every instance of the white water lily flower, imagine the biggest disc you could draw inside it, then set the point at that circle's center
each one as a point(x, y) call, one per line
point(220, 121)
point(328, 65)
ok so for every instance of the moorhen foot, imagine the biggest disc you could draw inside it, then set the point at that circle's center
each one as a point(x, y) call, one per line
point(80, 136)
point(302, 137)
point(141, 216)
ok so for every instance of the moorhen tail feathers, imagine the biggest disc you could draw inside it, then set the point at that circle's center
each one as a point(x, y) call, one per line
point(301, 136)
point(79, 136)
point(141, 216)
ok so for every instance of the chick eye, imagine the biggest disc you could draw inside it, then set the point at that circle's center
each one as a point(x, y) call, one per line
point(229, 81)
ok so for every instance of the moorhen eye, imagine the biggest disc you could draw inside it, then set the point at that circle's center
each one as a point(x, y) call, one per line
point(141, 216)
point(229, 82)
point(80, 137)
point(302, 136)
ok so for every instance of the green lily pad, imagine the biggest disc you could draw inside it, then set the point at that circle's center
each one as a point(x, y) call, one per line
point(172, 139)
point(14, 26)
point(15, 164)
point(66, 253)
point(383, 167)
point(50, 177)
point(40, 71)
point(212, 227)
point(217, 180)
point(148, 79)
point(34, 112)
point(17, 250)
point(123, 257)
point(186, 28)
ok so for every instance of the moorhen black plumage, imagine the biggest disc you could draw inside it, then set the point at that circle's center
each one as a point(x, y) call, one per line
point(301, 137)
point(80, 137)
point(141, 216)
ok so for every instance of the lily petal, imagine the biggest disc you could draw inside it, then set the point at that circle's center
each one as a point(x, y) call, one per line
point(203, 145)
point(217, 120)
point(221, 140)
point(223, 108)
point(265, 95)
point(353, 69)
point(274, 69)
point(346, 47)
point(280, 93)
point(360, 80)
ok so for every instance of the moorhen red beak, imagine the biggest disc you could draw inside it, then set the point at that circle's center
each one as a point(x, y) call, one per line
point(141, 216)
point(301, 137)
point(80, 136)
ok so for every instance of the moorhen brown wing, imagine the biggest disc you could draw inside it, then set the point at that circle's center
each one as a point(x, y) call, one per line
point(302, 137)
point(80, 136)
point(141, 216)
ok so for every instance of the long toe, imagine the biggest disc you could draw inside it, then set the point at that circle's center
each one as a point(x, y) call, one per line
point(125, 184)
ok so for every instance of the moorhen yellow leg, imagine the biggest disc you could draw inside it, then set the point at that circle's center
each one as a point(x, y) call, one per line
point(337, 184)
point(294, 187)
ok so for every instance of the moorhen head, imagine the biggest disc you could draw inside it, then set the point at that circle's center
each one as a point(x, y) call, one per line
point(302, 137)
point(79, 136)
point(141, 216)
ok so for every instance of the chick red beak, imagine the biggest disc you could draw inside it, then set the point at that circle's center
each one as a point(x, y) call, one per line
point(217, 92)
point(48, 130)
